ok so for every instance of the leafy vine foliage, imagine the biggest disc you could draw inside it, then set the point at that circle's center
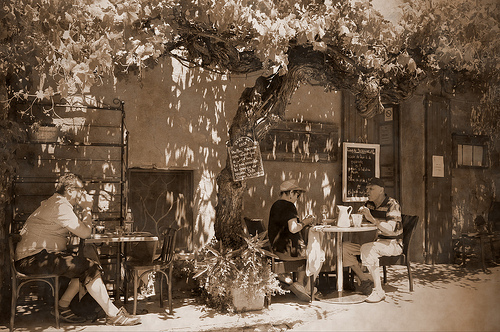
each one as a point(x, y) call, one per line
point(60, 48)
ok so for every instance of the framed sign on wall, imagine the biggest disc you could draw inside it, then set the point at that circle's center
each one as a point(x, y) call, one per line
point(360, 164)
point(305, 142)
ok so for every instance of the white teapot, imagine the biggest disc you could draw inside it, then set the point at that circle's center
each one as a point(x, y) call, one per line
point(344, 219)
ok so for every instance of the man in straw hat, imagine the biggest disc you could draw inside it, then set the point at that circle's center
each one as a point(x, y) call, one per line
point(285, 233)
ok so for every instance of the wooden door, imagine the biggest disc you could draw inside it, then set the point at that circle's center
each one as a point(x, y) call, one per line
point(438, 161)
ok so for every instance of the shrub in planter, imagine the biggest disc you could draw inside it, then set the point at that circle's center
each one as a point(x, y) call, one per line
point(47, 133)
point(226, 274)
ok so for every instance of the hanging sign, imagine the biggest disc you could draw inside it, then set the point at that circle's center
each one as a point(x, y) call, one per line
point(245, 159)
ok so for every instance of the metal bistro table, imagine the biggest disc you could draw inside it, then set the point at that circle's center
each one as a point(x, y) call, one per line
point(120, 239)
point(340, 298)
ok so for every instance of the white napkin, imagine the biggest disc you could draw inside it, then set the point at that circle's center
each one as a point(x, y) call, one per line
point(315, 254)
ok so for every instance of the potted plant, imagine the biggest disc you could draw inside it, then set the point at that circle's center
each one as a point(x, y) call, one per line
point(43, 133)
point(238, 280)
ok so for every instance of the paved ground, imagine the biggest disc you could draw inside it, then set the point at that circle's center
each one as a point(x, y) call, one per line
point(446, 298)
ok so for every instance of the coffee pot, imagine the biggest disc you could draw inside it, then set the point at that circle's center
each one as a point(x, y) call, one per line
point(344, 219)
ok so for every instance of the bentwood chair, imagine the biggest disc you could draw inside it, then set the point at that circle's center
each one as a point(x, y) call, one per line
point(163, 265)
point(278, 266)
point(409, 224)
point(20, 279)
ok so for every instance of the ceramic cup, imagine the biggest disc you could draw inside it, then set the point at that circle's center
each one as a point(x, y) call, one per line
point(357, 219)
point(99, 229)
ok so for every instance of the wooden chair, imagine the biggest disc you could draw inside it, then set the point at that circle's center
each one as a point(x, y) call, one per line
point(278, 266)
point(163, 264)
point(20, 279)
point(409, 224)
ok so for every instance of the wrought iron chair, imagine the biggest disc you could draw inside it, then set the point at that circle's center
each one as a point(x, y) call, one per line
point(409, 224)
point(484, 232)
point(20, 279)
point(163, 264)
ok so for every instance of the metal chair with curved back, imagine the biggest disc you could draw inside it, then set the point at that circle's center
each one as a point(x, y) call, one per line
point(486, 231)
point(409, 224)
point(163, 263)
point(20, 279)
point(278, 266)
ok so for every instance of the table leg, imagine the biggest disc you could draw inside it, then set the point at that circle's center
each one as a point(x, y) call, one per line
point(342, 298)
point(340, 264)
point(118, 271)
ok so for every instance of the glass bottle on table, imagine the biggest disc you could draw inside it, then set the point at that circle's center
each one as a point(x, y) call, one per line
point(324, 213)
point(129, 221)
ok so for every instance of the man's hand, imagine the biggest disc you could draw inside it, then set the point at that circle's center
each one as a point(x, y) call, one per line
point(309, 219)
point(366, 212)
point(86, 201)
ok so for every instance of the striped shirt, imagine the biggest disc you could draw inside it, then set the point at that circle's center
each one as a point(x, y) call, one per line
point(389, 212)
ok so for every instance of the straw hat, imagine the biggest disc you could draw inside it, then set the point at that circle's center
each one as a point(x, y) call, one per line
point(291, 185)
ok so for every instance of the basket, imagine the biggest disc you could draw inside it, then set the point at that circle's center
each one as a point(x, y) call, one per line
point(44, 134)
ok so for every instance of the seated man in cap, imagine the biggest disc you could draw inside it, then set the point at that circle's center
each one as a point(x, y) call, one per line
point(285, 232)
point(385, 213)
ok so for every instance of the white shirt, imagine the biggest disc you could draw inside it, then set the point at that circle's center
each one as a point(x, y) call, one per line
point(47, 227)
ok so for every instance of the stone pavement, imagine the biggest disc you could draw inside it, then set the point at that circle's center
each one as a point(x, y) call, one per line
point(446, 298)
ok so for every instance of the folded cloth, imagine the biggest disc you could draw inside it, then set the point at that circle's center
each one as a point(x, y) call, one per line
point(315, 254)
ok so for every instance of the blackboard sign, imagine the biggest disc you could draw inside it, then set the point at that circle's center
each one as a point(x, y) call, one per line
point(360, 165)
point(245, 159)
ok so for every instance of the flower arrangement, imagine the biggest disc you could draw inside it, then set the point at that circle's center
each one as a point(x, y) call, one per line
point(247, 269)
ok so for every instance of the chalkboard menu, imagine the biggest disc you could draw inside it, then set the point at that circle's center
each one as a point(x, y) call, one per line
point(360, 165)
point(245, 159)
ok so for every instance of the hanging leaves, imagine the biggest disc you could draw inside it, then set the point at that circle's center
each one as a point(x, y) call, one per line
point(80, 43)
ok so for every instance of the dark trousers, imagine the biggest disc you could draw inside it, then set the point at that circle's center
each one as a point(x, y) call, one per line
point(66, 264)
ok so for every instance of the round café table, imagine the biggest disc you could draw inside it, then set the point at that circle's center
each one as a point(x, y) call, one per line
point(340, 296)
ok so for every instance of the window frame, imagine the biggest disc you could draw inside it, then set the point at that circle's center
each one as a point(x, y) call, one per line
point(461, 140)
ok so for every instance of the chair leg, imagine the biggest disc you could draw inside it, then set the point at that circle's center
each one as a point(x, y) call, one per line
point(267, 301)
point(161, 289)
point(384, 269)
point(410, 276)
point(463, 251)
point(481, 244)
point(169, 281)
point(13, 302)
point(311, 282)
point(136, 281)
point(492, 248)
point(125, 286)
point(56, 300)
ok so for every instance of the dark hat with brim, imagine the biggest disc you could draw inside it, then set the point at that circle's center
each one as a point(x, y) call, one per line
point(376, 182)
